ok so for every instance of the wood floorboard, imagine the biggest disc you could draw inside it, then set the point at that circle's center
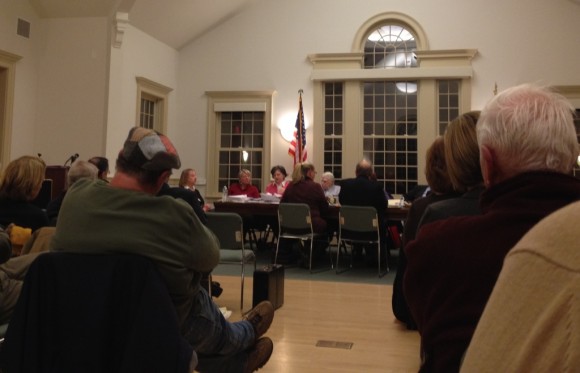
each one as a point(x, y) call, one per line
point(331, 311)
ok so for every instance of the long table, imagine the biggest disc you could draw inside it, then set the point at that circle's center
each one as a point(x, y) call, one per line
point(271, 209)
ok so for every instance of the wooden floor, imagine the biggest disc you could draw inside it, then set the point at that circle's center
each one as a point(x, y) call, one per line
point(331, 311)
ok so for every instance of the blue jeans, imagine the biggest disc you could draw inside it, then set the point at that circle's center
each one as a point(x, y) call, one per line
point(221, 345)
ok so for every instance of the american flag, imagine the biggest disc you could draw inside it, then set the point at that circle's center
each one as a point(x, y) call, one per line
point(297, 148)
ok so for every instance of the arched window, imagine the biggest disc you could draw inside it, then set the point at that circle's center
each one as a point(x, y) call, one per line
point(387, 100)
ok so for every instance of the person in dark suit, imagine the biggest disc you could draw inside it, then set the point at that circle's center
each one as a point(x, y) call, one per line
point(442, 189)
point(363, 191)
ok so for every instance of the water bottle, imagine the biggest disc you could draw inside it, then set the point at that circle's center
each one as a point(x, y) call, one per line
point(402, 202)
point(225, 194)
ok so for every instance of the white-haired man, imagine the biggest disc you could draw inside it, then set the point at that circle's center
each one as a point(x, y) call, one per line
point(528, 146)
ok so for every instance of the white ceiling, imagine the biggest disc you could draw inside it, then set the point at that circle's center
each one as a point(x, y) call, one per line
point(174, 22)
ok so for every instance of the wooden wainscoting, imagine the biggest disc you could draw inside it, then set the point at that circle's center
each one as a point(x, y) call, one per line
point(329, 312)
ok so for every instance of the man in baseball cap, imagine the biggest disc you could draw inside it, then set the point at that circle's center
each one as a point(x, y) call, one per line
point(126, 217)
point(149, 150)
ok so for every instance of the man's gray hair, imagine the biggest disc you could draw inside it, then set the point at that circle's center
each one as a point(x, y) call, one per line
point(529, 128)
point(81, 169)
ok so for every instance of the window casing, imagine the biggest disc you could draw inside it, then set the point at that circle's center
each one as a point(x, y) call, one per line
point(239, 126)
point(395, 124)
point(152, 105)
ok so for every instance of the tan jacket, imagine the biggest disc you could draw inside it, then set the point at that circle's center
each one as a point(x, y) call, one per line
point(531, 322)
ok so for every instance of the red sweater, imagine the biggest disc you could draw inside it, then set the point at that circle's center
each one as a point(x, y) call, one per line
point(251, 191)
point(454, 263)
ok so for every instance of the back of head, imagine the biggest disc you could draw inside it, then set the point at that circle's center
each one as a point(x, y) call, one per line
point(81, 169)
point(147, 154)
point(529, 128)
point(102, 165)
point(22, 178)
point(364, 168)
point(462, 152)
point(300, 171)
point(436, 168)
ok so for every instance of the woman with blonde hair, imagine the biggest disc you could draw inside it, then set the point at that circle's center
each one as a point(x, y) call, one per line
point(464, 169)
point(188, 180)
point(20, 184)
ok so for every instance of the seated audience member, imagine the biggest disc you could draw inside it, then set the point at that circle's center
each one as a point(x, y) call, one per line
point(303, 189)
point(187, 192)
point(531, 321)
point(20, 184)
point(327, 183)
point(279, 182)
point(5, 246)
point(186, 195)
point(102, 164)
point(244, 185)
point(188, 180)
point(79, 169)
point(126, 217)
point(417, 191)
point(12, 273)
point(441, 187)
point(528, 147)
point(462, 159)
point(363, 191)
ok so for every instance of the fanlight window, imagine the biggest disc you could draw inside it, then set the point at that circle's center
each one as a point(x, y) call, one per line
point(390, 46)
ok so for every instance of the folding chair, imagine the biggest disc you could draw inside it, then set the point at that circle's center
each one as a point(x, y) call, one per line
point(295, 222)
point(228, 228)
point(359, 225)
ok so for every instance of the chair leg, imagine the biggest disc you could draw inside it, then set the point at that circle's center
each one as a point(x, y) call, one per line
point(311, 250)
point(242, 291)
point(381, 274)
point(338, 255)
point(277, 248)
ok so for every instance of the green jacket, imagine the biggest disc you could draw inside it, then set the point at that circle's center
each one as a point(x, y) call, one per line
point(96, 218)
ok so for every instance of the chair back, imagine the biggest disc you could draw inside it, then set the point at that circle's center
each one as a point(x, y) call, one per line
point(360, 223)
point(228, 228)
point(294, 217)
point(112, 312)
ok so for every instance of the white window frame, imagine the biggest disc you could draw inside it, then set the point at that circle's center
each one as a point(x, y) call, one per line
point(235, 101)
point(148, 89)
point(349, 68)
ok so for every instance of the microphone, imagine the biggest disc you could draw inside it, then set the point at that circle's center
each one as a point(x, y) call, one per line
point(71, 159)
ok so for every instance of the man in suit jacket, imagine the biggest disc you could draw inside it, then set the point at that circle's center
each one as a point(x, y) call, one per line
point(362, 191)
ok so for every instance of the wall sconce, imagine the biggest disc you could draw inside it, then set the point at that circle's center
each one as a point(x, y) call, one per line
point(245, 156)
point(287, 125)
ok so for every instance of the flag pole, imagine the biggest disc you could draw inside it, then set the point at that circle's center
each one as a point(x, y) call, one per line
point(301, 126)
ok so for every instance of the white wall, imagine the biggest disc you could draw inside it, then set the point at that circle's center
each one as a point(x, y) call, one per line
point(267, 47)
point(26, 77)
point(139, 56)
point(72, 89)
